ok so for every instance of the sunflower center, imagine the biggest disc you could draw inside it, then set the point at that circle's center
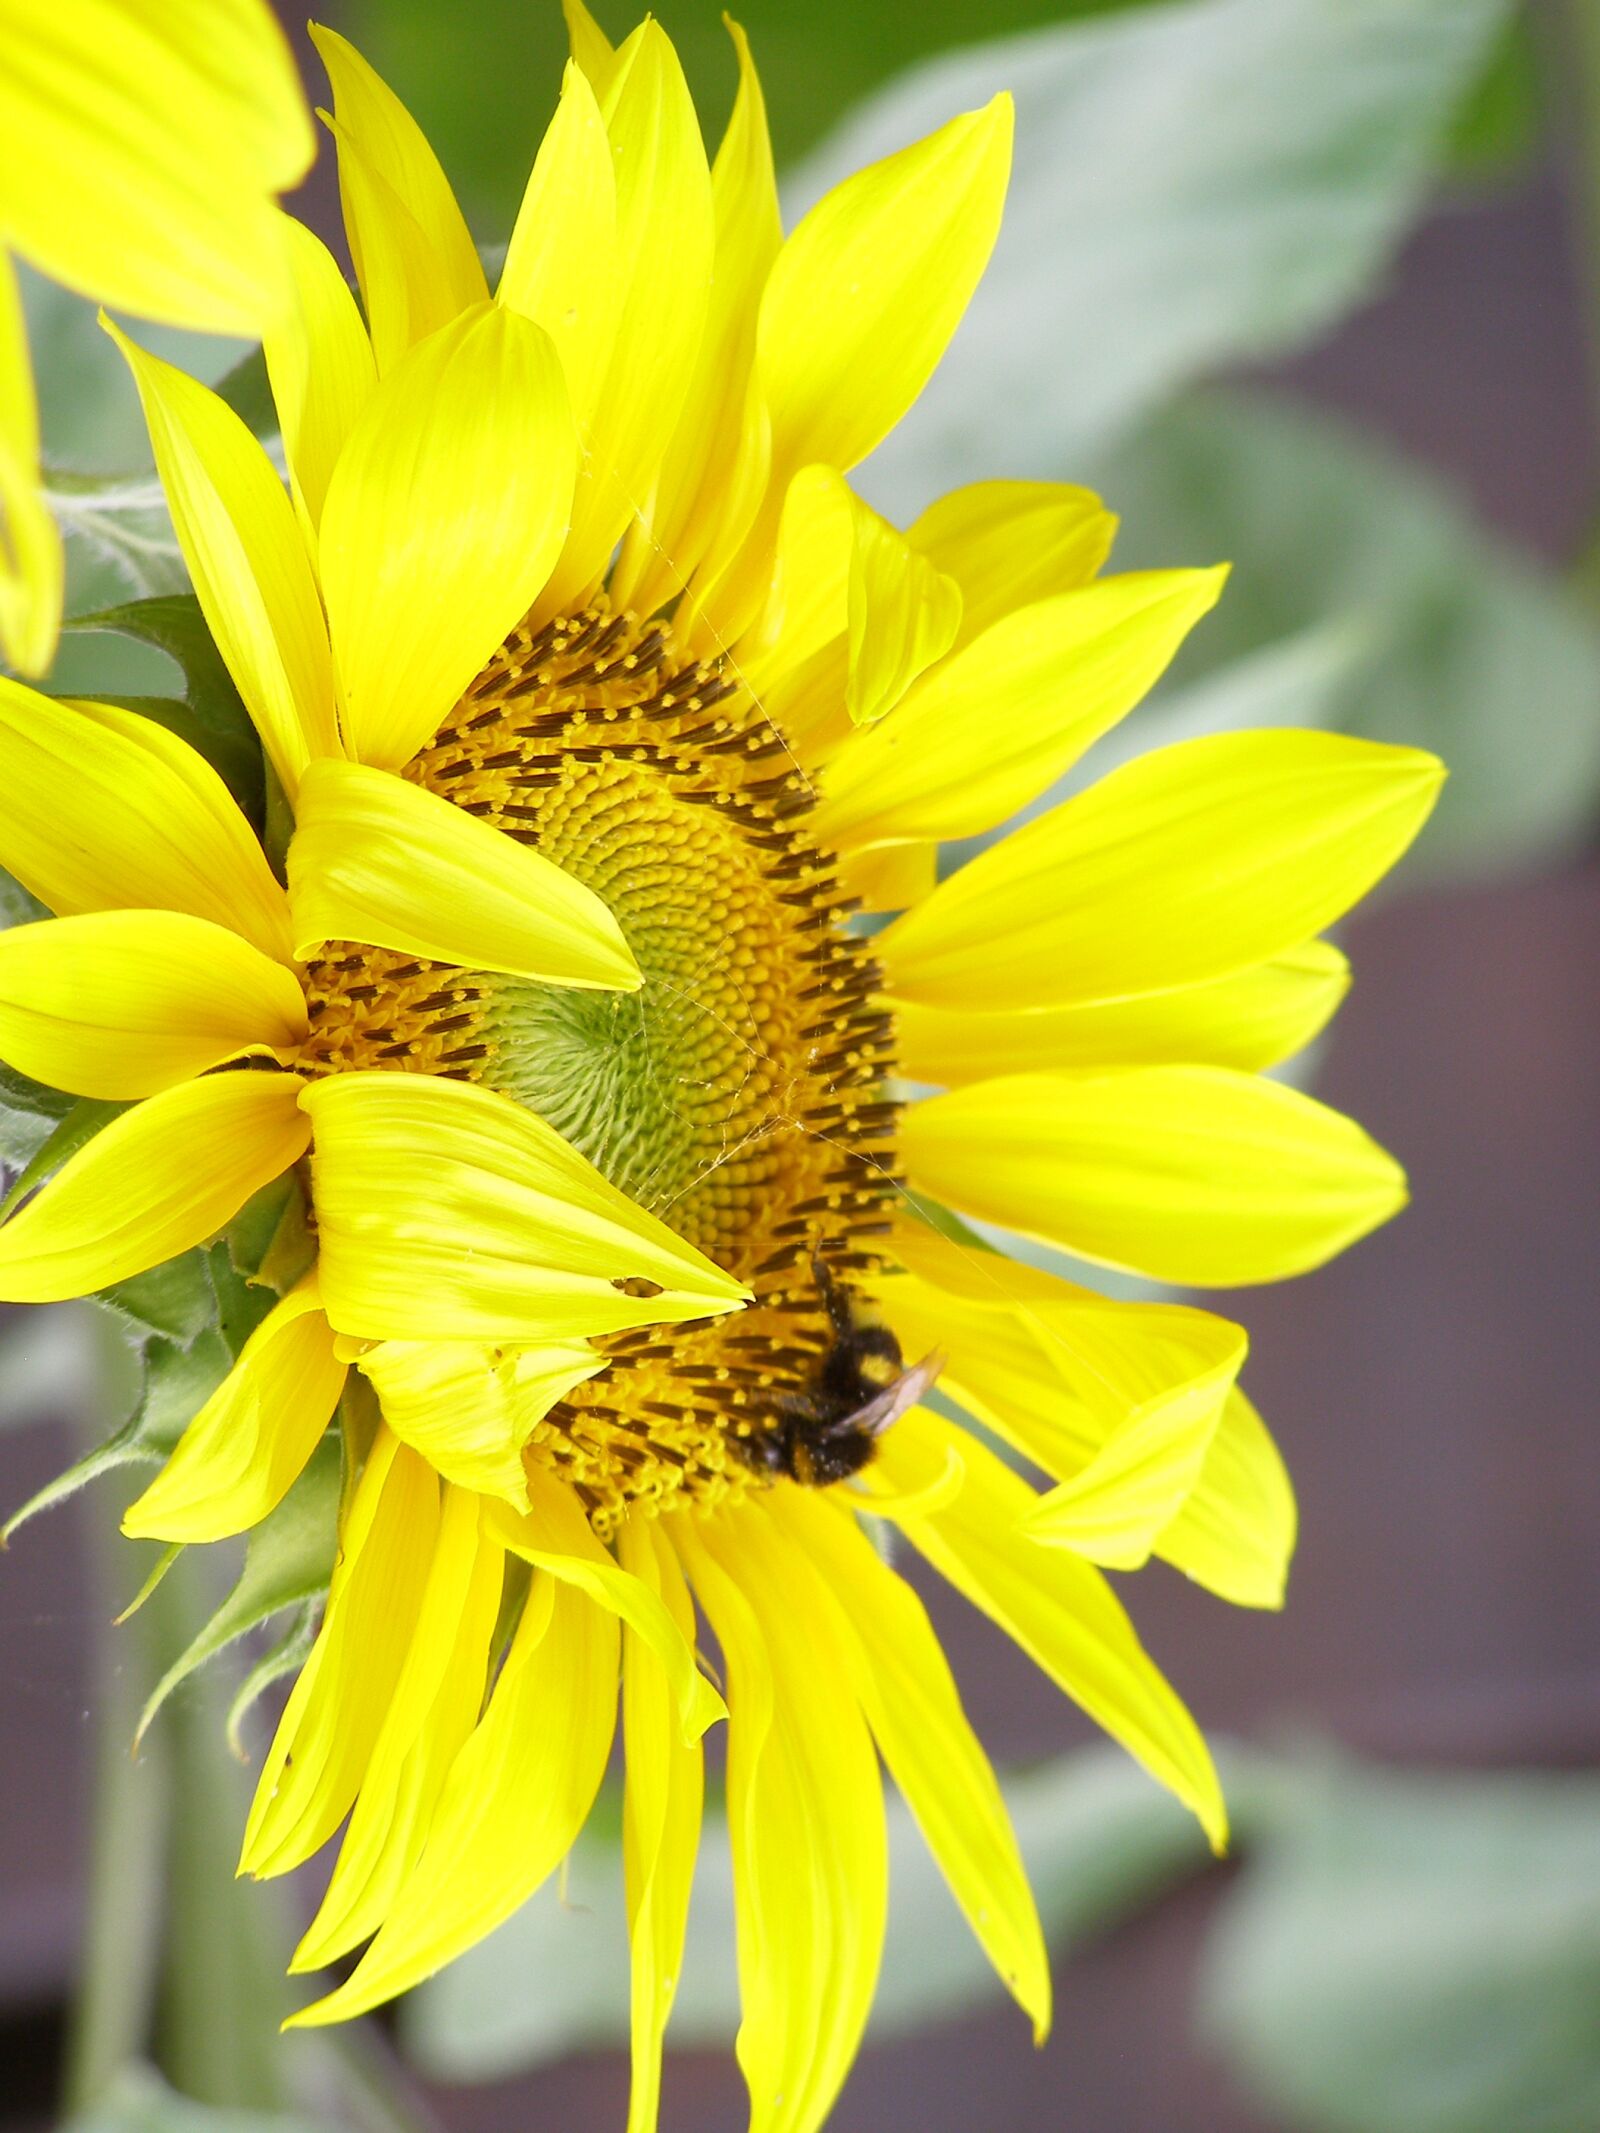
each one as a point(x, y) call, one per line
point(734, 1095)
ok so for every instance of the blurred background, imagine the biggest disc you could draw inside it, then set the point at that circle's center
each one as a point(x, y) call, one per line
point(1313, 285)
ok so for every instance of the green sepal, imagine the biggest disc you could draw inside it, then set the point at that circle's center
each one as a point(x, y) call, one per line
point(211, 716)
point(287, 1656)
point(261, 1237)
point(175, 1299)
point(158, 1570)
point(287, 1562)
point(292, 1250)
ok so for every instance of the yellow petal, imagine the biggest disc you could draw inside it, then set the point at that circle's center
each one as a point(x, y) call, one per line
point(865, 295)
point(444, 513)
point(660, 1816)
point(437, 1697)
point(591, 47)
point(1187, 1174)
point(561, 265)
point(247, 558)
point(427, 239)
point(393, 865)
point(1057, 1608)
point(123, 1003)
point(858, 308)
point(1010, 543)
point(844, 571)
point(1236, 1533)
point(470, 1409)
point(1114, 1511)
point(891, 877)
point(1249, 1019)
point(320, 364)
point(32, 567)
point(996, 724)
point(404, 300)
point(1184, 865)
point(906, 1689)
point(239, 1456)
point(515, 1799)
point(554, 1535)
point(663, 273)
point(337, 1708)
point(714, 473)
point(1119, 1401)
point(101, 809)
point(805, 1817)
point(143, 145)
point(156, 1180)
point(448, 1212)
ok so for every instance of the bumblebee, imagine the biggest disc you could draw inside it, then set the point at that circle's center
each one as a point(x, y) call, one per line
point(828, 1429)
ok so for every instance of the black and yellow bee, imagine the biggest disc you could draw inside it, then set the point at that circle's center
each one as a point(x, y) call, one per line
point(827, 1429)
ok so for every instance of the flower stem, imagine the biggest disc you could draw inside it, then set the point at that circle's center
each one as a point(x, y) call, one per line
point(111, 2014)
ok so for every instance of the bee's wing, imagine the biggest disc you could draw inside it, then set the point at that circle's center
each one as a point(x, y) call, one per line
point(894, 1400)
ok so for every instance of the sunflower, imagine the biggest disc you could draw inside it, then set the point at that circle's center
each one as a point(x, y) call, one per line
point(635, 1160)
point(144, 144)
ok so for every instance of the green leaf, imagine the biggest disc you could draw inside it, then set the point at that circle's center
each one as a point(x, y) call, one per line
point(814, 61)
point(1460, 644)
point(75, 1131)
point(29, 1113)
point(123, 523)
point(1417, 1954)
point(1100, 1842)
point(288, 1559)
point(1497, 128)
point(1195, 185)
point(211, 716)
point(139, 2101)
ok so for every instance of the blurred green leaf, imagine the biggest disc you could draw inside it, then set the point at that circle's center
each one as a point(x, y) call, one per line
point(97, 466)
point(1099, 1838)
point(1468, 649)
point(122, 521)
point(1497, 128)
point(1195, 185)
point(1417, 1954)
point(484, 112)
